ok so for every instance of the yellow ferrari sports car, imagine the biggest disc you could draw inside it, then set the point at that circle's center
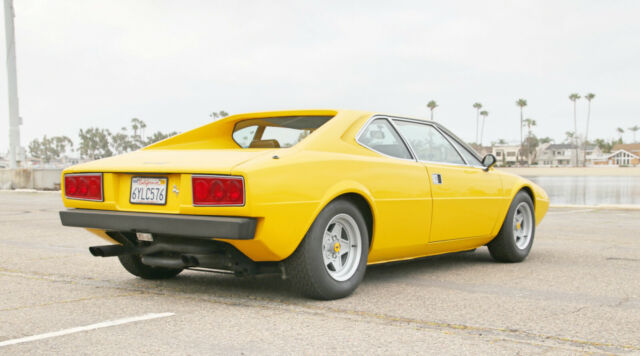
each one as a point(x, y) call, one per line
point(314, 195)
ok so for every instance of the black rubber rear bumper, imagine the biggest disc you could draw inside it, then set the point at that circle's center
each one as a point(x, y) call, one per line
point(195, 226)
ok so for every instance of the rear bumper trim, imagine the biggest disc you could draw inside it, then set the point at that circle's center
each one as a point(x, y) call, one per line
point(196, 226)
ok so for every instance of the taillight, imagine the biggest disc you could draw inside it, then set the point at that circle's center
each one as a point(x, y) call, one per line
point(83, 186)
point(217, 190)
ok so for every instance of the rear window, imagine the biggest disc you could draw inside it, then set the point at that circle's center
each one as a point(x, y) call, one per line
point(276, 132)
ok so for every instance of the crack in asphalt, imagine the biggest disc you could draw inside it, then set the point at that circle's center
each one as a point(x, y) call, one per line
point(510, 335)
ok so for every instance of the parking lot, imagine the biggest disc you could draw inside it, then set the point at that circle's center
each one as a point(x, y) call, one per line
point(578, 291)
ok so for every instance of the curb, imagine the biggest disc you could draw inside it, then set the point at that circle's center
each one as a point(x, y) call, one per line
point(29, 191)
point(601, 206)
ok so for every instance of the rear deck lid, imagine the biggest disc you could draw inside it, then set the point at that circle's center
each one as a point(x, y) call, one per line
point(220, 161)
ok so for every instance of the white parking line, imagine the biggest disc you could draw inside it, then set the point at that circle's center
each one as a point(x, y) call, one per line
point(104, 324)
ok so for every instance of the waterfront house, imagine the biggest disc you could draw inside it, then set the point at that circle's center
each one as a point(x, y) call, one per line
point(617, 158)
point(557, 155)
point(505, 154)
point(633, 148)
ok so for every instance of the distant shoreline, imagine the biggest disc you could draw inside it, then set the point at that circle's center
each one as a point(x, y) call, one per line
point(574, 171)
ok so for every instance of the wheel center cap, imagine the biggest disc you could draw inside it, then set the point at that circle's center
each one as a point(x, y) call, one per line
point(518, 226)
point(336, 247)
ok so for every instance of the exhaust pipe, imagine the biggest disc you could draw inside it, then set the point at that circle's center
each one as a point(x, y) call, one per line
point(165, 262)
point(110, 250)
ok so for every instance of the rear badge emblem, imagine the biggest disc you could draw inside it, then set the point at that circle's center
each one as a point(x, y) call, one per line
point(175, 189)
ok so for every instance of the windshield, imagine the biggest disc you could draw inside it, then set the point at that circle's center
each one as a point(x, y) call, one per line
point(276, 132)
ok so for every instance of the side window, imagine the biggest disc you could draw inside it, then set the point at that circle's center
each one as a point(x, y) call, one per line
point(244, 136)
point(470, 158)
point(427, 143)
point(380, 136)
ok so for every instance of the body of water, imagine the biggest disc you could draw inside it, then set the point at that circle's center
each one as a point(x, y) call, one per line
point(593, 190)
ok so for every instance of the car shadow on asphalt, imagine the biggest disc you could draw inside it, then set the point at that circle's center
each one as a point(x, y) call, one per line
point(430, 264)
point(274, 288)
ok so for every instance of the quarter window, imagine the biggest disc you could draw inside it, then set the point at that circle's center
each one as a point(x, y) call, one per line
point(470, 158)
point(427, 143)
point(380, 136)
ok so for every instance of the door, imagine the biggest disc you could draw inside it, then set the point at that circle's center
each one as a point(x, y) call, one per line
point(466, 199)
point(401, 191)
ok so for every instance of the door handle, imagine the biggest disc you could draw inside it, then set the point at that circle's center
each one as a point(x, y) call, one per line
point(436, 178)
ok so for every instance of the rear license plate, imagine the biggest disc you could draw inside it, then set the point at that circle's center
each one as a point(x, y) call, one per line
point(148, 190)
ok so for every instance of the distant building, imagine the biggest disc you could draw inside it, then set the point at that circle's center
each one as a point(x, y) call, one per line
point(617, 158)
point(557, 155)
point(506, 155)
point(633, 148)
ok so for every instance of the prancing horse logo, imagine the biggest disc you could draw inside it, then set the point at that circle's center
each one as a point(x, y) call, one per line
point(175, 189)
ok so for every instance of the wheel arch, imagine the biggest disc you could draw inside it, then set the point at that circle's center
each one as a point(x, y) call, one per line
point(527, 189)
point(360, 196)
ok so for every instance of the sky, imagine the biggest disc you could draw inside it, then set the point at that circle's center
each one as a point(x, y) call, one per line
point(170, 63)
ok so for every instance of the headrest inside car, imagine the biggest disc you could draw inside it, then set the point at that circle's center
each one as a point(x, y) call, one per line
point(264, 144)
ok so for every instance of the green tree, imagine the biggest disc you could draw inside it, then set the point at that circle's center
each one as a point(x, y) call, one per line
point(544, 140)
point(432, 105)
point(521, 103)
point(47, 149)
point(484, 114)
point(137, 124)
point(530, 123)
point(94, 143)
point(634, 129)
point(574, 98)
point(569, 136)
point(218, 115)
point(121, 142)
point(531, 143)
point(159, 136)
point(604, 146)
point(477, 106)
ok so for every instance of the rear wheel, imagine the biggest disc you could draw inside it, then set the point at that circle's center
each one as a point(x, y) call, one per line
point(515, 238)
point(330, 261)
point(134, 265)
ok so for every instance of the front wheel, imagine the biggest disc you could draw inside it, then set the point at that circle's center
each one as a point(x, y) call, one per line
point(515, 239)
point(330, 261)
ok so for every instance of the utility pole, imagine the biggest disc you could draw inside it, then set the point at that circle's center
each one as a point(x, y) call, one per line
point(14, 116)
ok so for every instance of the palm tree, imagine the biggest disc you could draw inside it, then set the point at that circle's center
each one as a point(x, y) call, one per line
point(521, 103)
point(142, 127)
point(484, 114)
point(634, 129)
point(574, 98)
point(477, 106)
point(529, 123)
point(135, 126)
point(589, 97)
point(620, 132)
point(569, 136)
point(432, 105)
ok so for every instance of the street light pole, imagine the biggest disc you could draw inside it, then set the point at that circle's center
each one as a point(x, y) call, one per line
point(14, 116)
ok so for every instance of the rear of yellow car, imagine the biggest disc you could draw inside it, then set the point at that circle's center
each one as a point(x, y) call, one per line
point(183, 203)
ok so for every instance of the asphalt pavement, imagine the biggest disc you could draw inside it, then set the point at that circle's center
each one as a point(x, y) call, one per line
point(578, 292)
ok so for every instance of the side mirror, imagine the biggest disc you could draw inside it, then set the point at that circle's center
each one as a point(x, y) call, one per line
point(489, 161)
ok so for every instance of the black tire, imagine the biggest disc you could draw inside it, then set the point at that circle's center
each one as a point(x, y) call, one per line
point(503, 248)
point(133, 264)
point(305, 267)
